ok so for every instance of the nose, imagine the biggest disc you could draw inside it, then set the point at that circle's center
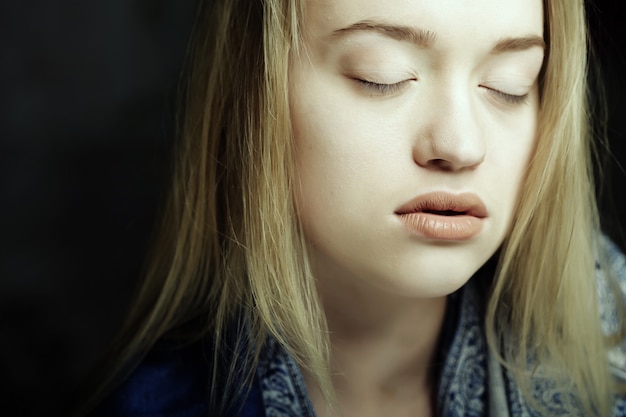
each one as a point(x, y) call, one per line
point(451, 138)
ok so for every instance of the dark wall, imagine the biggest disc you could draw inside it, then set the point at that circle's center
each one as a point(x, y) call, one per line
point(606, 19)
point(86, 124)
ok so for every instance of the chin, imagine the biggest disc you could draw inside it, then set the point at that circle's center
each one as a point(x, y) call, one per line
point(428, 284)
point(435, 273)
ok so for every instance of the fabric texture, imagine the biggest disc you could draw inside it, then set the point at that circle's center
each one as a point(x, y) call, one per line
point(472, 383)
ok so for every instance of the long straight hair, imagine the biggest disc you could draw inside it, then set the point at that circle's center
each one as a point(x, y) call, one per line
point(543, 303)
point(230, 248)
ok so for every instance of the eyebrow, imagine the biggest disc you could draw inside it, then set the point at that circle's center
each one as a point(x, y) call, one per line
point(420, 37)
point(519, 44)
point(426, 38)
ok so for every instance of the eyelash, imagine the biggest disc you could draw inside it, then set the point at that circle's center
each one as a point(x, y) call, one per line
point(388, 89)
point(381, 89)
point(508, 98)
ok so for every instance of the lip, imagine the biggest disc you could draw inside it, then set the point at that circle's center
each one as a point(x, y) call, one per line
point(444, 216)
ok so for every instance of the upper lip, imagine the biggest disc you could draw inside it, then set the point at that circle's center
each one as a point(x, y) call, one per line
point(460, 204)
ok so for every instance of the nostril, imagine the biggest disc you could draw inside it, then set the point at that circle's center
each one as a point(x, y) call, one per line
point(441, 164)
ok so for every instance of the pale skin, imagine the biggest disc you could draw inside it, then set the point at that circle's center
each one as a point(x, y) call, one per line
point(382, 351)
point(396, 99)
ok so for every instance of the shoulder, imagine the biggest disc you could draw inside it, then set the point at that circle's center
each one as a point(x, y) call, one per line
point(175, 381)
point(611, 278)
point(611, 283)
point(167, 382)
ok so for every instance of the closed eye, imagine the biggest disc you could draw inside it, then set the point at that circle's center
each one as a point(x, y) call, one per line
point(381, 89)
point(506, 97)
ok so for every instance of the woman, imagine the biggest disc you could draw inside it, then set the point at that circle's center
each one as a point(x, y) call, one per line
point(380, 208)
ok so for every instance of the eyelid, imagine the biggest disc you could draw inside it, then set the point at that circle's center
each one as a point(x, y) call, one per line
point(507, 98)
point(382, 89)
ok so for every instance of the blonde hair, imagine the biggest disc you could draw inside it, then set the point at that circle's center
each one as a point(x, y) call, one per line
point(543, 301)
point(230, 248)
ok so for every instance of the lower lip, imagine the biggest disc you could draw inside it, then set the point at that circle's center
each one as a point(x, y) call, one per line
point(435, 226)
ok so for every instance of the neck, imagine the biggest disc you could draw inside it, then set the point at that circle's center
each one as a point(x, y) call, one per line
point(383, 346)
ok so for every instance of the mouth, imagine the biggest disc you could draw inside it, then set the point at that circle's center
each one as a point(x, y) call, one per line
point(445, 212)
point(444, 216)
point(445, 204)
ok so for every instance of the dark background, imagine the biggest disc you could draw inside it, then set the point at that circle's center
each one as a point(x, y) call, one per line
point(86, 124)
point(87, 94)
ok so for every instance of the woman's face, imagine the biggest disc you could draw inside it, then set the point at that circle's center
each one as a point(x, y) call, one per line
point(414, 122)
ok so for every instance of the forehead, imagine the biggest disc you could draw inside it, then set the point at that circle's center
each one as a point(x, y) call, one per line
point(453, 21)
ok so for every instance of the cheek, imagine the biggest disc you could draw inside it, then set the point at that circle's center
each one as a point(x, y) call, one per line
point(331, 150)
point(314, 180)
point(523, 154)
point(515, 142)
point(514, 162)
point(333, 173)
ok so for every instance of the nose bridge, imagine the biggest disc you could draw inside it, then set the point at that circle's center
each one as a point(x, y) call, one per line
point(453, 138)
